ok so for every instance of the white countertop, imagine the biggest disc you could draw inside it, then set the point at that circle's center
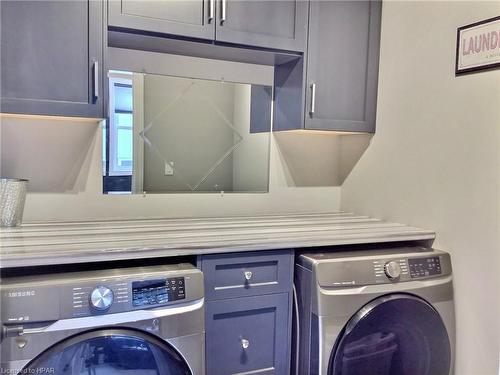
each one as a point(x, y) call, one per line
point(48, 243)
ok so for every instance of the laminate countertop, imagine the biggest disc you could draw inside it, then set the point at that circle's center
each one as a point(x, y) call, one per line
point(51, 243)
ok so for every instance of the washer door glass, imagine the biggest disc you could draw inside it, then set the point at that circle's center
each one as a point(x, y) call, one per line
point(110, 352)
point(397, 334)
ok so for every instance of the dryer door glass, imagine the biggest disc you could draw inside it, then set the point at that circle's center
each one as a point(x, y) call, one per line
point(397, 334)
point(110, 352)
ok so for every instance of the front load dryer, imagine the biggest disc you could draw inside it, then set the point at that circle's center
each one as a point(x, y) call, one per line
point(128, 321)
point(377, 312)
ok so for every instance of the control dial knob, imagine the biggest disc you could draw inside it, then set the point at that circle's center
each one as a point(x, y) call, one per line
point(392, 270)
point(101, 298)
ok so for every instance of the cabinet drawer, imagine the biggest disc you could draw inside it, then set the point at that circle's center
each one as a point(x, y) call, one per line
point(247, 274)
point(248, 335)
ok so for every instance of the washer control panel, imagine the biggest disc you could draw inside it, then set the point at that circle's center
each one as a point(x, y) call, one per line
point(423, 267)
point(43, 298)
point(99, 297)
point(157, 292)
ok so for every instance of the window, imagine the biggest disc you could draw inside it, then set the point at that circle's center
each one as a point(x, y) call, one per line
point(120, 131)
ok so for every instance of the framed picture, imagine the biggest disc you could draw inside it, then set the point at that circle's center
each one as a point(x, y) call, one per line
point(478, 46)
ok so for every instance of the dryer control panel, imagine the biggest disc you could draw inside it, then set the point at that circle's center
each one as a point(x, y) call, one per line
point(404, 269)
point(357, 268)
point(423, 267)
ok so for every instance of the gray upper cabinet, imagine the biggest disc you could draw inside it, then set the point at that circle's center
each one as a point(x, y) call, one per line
point(193, 18)
point(342, 65)
point(269, 24)
point(272, 24)
point(51, 57)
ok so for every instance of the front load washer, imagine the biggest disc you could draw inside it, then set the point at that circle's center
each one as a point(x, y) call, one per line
point(383, 312)
point(133, 321)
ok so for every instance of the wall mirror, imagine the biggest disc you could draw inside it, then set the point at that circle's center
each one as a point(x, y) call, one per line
point(170, 134)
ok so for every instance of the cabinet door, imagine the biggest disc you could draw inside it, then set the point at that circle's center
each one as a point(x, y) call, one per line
point(248, 335)
point(52, 57)
point(342, 65)
point(193, 18)
point(262, 23)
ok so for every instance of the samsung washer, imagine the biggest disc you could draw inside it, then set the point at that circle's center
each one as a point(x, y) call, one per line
point(130, 321)
point(384, 312)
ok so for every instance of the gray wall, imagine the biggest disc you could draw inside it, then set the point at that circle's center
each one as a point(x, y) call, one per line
point(435, 161)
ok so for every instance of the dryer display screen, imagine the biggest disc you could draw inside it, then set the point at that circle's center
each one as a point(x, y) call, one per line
point(157, 292)
point(422, 267)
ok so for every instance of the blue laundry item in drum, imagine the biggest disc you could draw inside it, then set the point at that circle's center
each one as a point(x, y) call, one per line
point(370, 355)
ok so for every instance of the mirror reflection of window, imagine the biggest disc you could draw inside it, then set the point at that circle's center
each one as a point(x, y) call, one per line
point(118, 134)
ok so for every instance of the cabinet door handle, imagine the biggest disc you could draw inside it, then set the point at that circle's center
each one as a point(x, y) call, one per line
point(248, 275)
point(245, 343)
point(96, 80)
point(211, 10)
point(223, 6)
point(313, 99)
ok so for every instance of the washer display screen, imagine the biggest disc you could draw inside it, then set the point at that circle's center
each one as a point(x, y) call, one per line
point(157, 292)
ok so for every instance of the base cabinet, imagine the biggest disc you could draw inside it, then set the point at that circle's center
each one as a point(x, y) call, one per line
point(248, 312)
point(245, 335)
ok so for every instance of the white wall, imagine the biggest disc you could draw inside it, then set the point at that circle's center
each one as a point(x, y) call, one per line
point(35, 150)
point(434, 161)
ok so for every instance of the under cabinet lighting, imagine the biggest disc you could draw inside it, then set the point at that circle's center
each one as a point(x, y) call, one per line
point(329, 132)
point(50, 117)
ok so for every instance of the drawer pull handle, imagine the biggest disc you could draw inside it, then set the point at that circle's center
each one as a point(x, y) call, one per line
point(248, 275)
point(245, 343)
point(96, 81)
point(313, 100)
point(223, 11)
point(211, 10)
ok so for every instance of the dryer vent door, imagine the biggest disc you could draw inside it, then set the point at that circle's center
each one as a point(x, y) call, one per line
point(109, 352)
point(396, 334)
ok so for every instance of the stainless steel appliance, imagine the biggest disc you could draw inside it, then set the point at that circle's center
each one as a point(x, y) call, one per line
point(143, 320)
point(384, 312)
